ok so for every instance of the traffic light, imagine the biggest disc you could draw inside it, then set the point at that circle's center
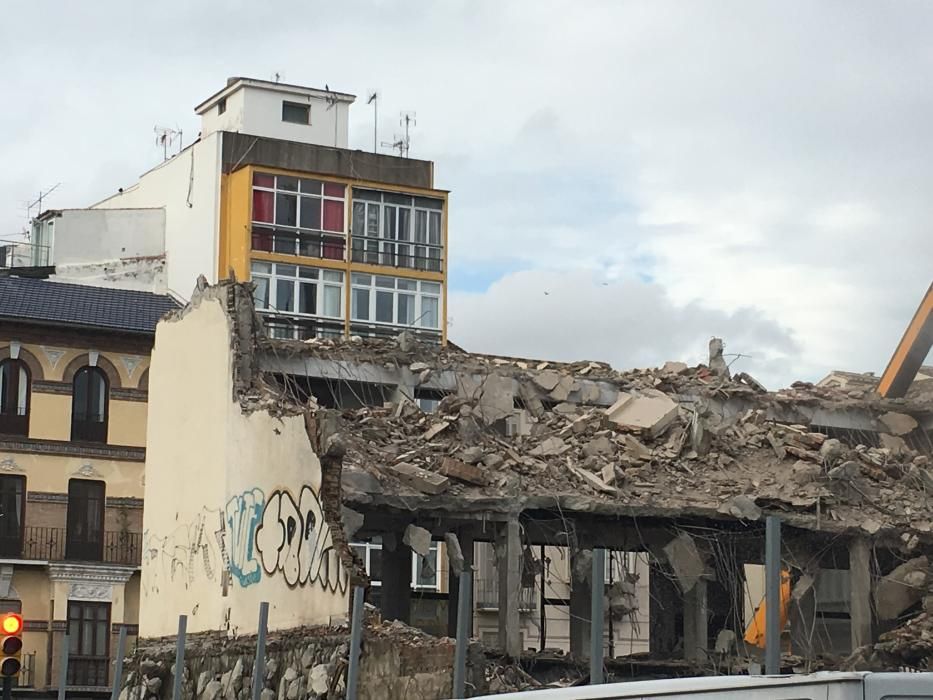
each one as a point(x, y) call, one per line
point(11, 626)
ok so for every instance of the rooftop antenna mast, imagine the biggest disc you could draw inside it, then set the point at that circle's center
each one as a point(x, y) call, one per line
point(38, 203)
point(166, 137)
point(407, 120)
point(331, 104)
point(374, 101)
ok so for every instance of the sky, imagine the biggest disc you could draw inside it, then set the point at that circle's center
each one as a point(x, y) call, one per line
point(628, 179)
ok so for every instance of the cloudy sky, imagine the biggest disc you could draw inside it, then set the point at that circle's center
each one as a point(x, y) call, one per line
point(628, 178)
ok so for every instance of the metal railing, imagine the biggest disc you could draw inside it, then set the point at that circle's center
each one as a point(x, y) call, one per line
point(23, 254)
point(375, 330)
point(301, 327)
point(89, 671)
point(394, 253)
point(487, 595)
point(52, 544)
point(328, 246)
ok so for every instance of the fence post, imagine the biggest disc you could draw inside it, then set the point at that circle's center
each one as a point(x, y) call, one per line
point(118, 667)
point(597, 615)
point(259, 668)
point(464, 620)
point(356, 634)
point(63, 671)
point(179, 656)
point(772, 595)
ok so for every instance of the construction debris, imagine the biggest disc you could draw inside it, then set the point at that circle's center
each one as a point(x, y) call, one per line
point(653, 411)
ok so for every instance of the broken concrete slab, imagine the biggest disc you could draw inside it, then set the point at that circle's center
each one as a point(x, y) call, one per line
point(352, 521)
point(830, 451)
point(589, 393)
point(547, 380)
point(686, 561)
point(896, 444)
point(550, 447)
point(471, 455)
point(599, 446)
point(652, 411)
point(463, 471)
point(741, 507)
point(902, 588)
point(673, 367)
point(418, 367)
point(418, 539)
point(454, 554)
point(717, 363)
point(435, 430)
point(418, 478)
point(563, 388)
point(635, 447)
point(898, 423)
point(592, 479)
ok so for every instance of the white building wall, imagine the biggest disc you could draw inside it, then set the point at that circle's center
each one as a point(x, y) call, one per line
point(97, 235)
point(230, 120)
point(262, 116)
point(188, 188)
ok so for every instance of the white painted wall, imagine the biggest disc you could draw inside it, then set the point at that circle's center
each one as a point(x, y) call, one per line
point(230, 120)
point(219, 486)
point(188, 188)
point(99, 235)
point(262, 116)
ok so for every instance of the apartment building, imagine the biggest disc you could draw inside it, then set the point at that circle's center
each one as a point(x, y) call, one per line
point(74, 371)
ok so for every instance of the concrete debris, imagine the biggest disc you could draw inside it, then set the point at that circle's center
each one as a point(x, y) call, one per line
point(435, 430)
point(673, 367)
point(717, 363)
point(652, 411)
point(725, 640)
point(419, 478)
point(418, 367)
point(552, 446)
point(472, 455)
point(418, 539)
point(547, 380)
point(898, 423)
point(685, 560)
point(463, 471)
point(895, 444)
point(904, 587)
point(830, 451)
point(352, 521)
point(750, 381)
point(741, 507)
point(454, 554)
point(599, 446)
point(562, 390)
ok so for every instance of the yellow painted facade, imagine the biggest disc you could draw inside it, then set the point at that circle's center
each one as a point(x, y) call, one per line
point(47, 576)
point(235, 236)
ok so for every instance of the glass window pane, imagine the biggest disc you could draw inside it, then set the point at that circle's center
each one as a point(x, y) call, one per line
point(409, 285)
point(332, 276)
point(311, 186)
point(332, 296)
point(404, 255)
point(333, 248)
point(431, 287)
point(263, 268)
point(372, 221)
point(359, 218)
point(375, 563)
point(262, 239)
point(309, 245)
point(264, 180)
point(285, 270)
point(334, 189)
point(387, 282)
point(360, 306)
point(384, 307)
point(369, 195)
point(284, 295)
point(311, 213)
point(79, 395)
point(284, 242)
point(333, 215)
point(286, 209)
point(429, 203)
point(361, 279)
point(406, 309)
point(261, 295)
point(421, 226)
point(434, 230)
point(429, 317)
point(309, 273)
point(307, 299)
point(286, 182)
point(404, 224)
point(262, 206)
point(388, 228)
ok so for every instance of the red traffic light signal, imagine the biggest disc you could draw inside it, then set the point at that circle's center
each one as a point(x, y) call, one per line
point(11, 646)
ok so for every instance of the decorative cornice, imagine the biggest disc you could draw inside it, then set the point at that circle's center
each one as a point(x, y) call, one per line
point(98, 573)
point(35, 625)
point(63, 448)
point(129, 394)
point(112, 501)
point(131, 630)
point(42, 386)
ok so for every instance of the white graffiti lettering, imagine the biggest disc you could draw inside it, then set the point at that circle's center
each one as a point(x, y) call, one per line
point(242, 515)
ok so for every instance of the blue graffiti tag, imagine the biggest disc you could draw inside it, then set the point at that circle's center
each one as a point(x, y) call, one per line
point(243, 513)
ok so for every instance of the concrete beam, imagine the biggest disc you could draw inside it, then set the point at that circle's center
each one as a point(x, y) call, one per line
point(860, 592)
point(696, 623)
point(581, 601)
point(465, 538)
point(508, 561)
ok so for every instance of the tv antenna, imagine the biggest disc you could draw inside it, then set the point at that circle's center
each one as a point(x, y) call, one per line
point(403, 143)
point(38, 203)
point(331, 100)
point(166, 137)
point(374, 101)
point(276, 77)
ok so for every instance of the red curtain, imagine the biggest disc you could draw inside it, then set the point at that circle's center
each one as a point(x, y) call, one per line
point(263, 203)
point(333, 215)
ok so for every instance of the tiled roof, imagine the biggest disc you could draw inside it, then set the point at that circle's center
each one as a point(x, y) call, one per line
point(80, 305)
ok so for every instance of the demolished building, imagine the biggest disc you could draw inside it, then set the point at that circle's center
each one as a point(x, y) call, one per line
point(295, 450)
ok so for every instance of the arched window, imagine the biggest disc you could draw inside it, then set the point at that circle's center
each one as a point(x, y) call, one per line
point(89, 405)
point(14, 397)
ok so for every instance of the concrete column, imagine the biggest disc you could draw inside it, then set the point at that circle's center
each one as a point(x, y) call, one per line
point(508, 561)
point(396, 582)
point(860, 592)
point(453, 583)
point(696, 622)
point(581, 601)
point(664, 605)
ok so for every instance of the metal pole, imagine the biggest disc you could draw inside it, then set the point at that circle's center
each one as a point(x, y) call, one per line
point(180, 656)
point(118, 668)
point(772, 595)
point(356, 635)
point(8, 688)
point(259, 668)
point(464, 620)
point(596, 616)
point(63, 669)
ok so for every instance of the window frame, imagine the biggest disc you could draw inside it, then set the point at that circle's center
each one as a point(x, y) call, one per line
point(85, 430)
point(82, 666)
point(369, 546)
point(383, 248)
point(273, 277)
point(14, 423)
point(86, 548)
point(374, 289)
point(6, 542)
point(303, 106)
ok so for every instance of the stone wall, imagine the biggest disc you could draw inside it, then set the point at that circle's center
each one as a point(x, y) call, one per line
point(398, 663)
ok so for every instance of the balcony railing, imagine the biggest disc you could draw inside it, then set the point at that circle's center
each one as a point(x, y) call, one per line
point(394, 253)
point(487, 595)
point(23, 254)
point(52, 544)
point(301, 327)
point(88, 671)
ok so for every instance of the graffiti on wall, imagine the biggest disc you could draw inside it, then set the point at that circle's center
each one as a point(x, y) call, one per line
point(242, 516)
point(293, 539)
point(192, 551)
